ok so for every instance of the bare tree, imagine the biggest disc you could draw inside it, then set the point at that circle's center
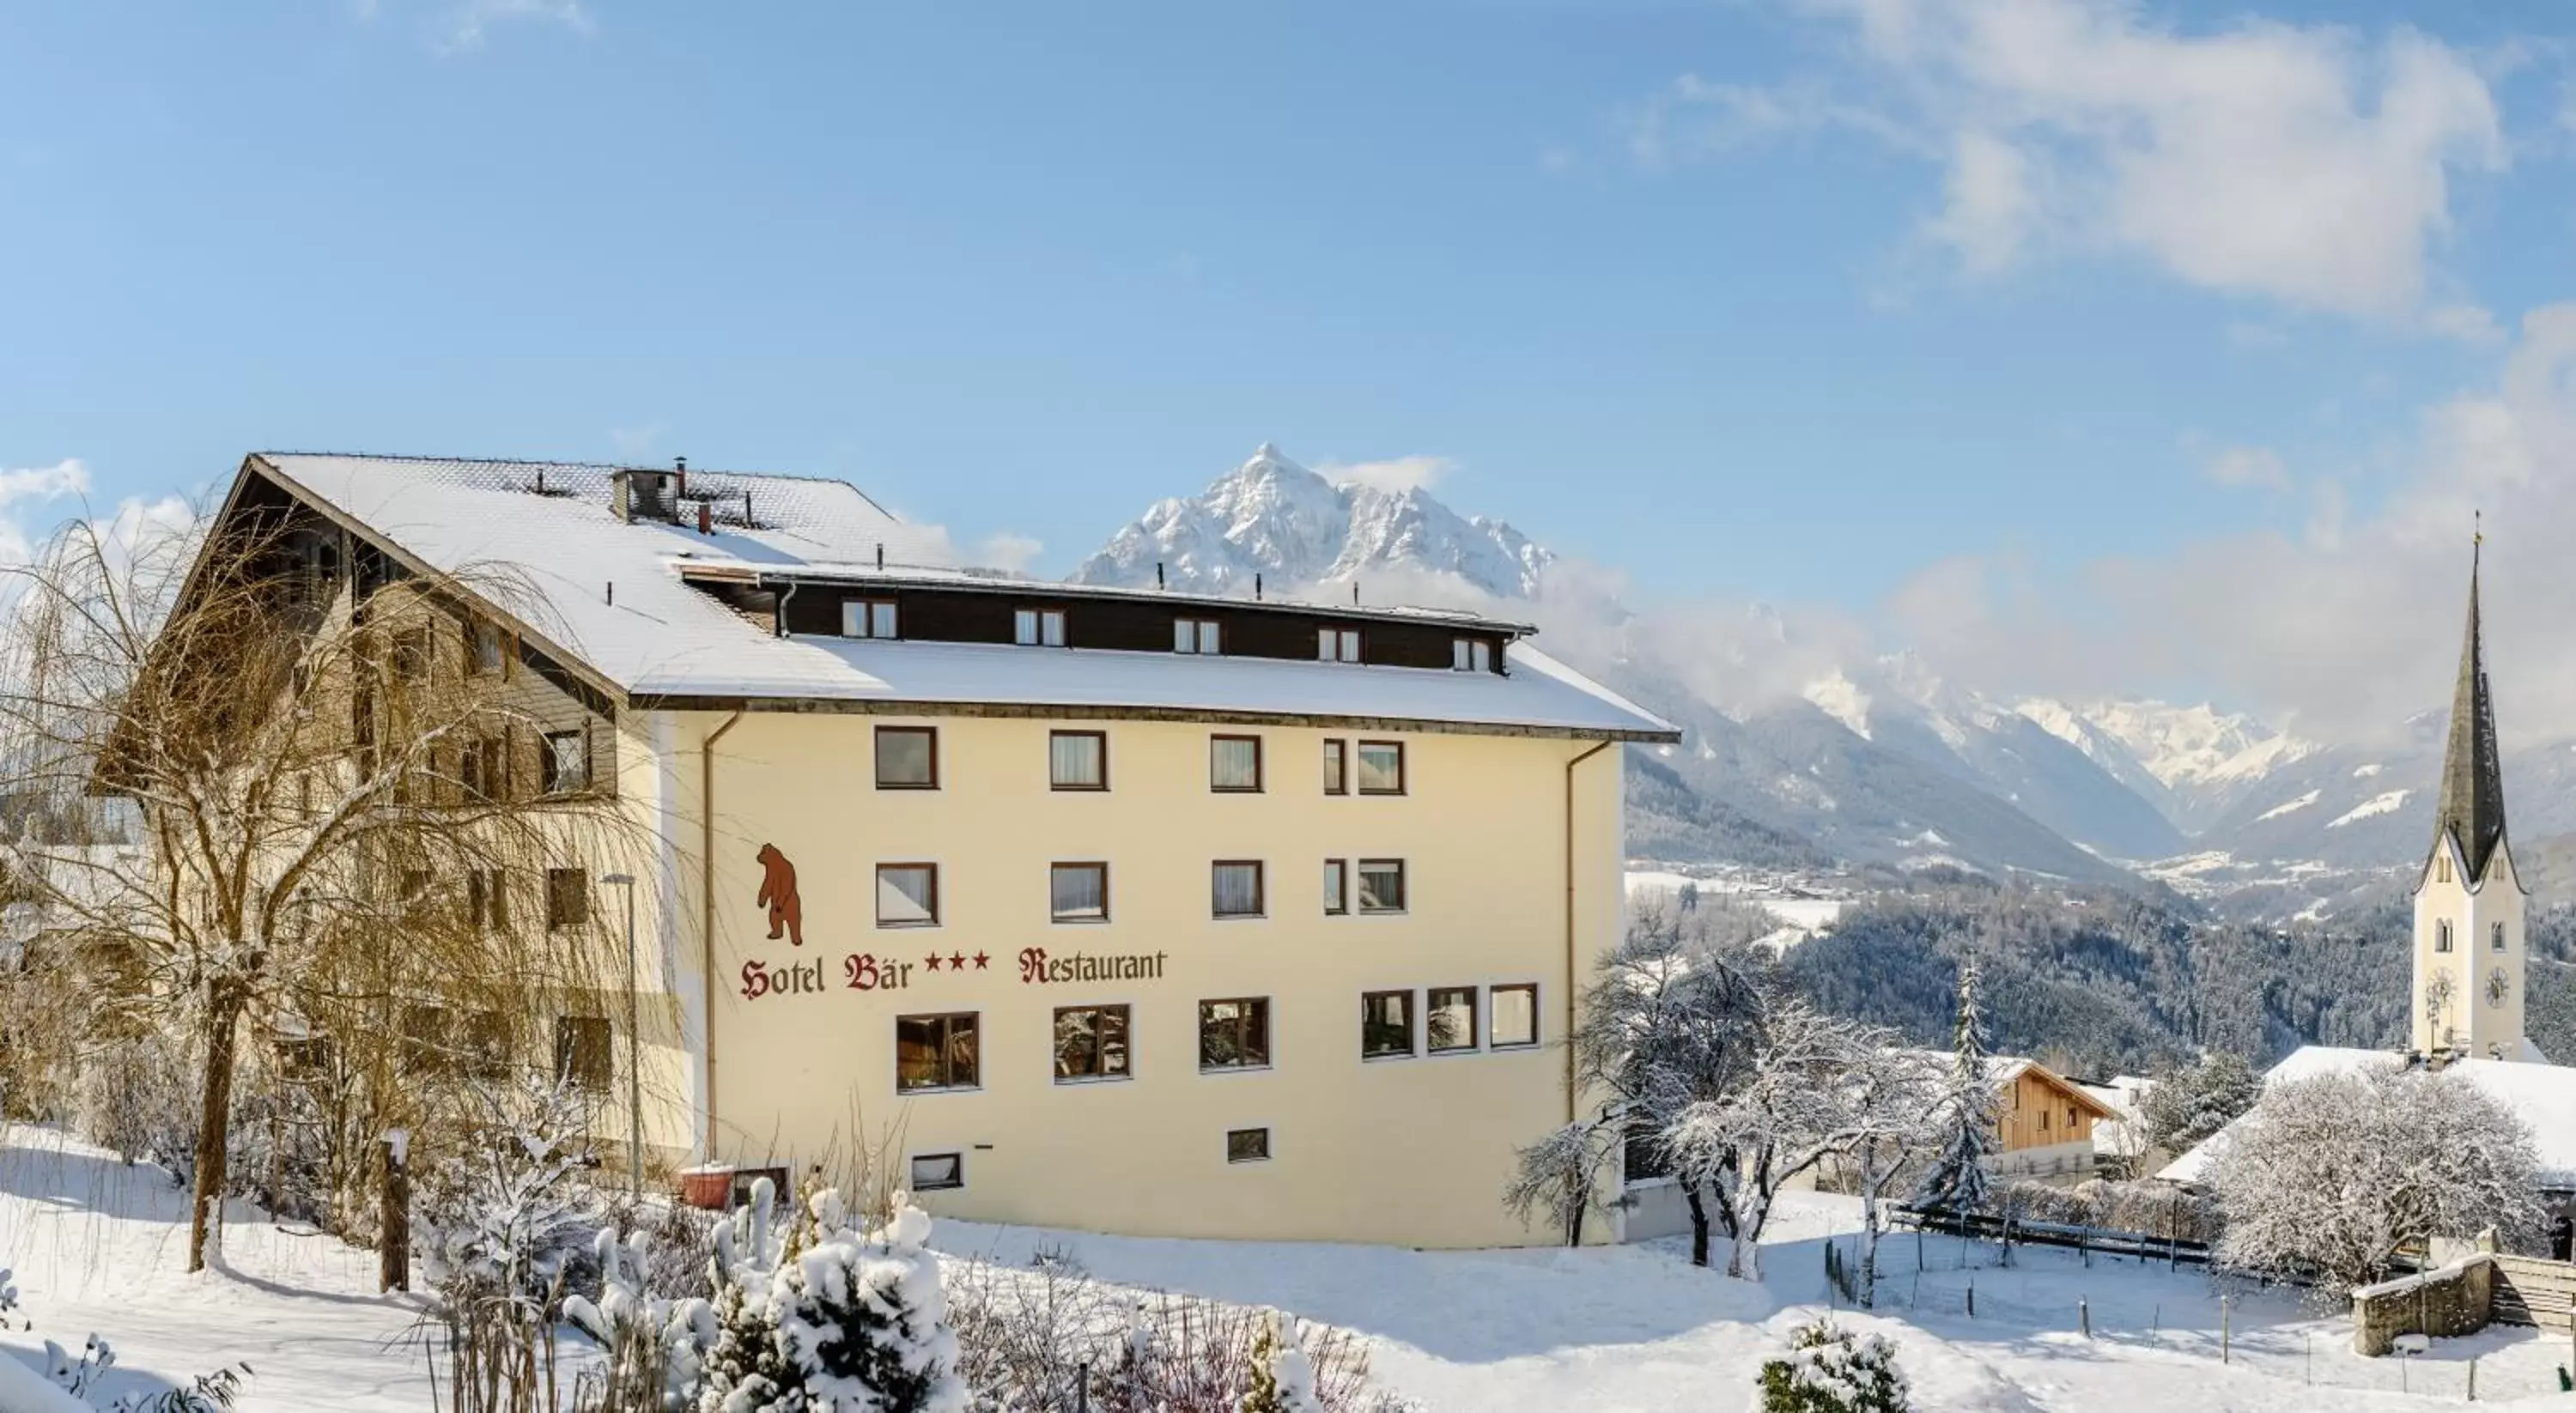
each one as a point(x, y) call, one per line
point(343, 794)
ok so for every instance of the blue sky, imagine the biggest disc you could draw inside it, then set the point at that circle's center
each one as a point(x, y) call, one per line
point(1790, 300)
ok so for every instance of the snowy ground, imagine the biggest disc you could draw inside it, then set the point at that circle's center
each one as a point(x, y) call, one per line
point(1627, 1330)
point(100, 1246)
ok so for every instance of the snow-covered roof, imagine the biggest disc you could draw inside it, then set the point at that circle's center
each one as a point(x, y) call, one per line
point(2002, 1070)
point(558, 553)
point(2122, 1097)
point(2543, 1096)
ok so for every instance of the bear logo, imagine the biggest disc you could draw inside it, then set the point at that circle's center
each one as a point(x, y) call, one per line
point(778, 894)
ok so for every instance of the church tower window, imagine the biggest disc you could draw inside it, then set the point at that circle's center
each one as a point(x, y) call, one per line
point(2495, 937)
point(2442, 868)
point(2442, 936)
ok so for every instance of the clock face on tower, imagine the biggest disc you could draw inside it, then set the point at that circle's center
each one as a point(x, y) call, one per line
point(2499, 986)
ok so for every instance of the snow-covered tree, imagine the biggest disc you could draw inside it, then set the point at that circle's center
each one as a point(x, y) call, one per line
point(1558, 1179)
point(319, 752)
point(2188, 1104)
point(1895, 1095)
point(1830, 1370)
point(2330, 1174)
point(1957, 1177)
point(1795, 1104)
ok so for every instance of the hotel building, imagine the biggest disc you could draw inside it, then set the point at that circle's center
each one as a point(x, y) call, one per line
point(1110, 909)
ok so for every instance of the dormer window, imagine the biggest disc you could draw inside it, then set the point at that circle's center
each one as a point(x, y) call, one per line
point(867, 618)
point(1337, 644)
point(1196, 635)
point(1038, 627)
point(1471, 655)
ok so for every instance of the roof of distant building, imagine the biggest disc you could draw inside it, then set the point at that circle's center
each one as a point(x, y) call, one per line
point(2542, 1095)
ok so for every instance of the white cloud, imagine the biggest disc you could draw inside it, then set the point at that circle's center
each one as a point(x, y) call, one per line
point(468, 23)
point(1403, 473)
point(1014, 552)
point(2301, 164)
point(2259, 467)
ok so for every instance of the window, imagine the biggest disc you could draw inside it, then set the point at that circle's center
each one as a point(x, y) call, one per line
point(567, 897)
point(1381, 885)
point(867, 618)
point(487, 899)
point(2070, 1118)
point(1235, 1034)
point(1090, 1042)
point(566, 762)
point(1247, 1145)
point(1515, 1016)
point(1337, 644)
point(1195, 635)
point(907, 758)
point(2495, 937)
point(2442, 936)
point(1337, 772)
point(582, 1052)
point(424, 1038)
point(1386, 1024)
point(1078, 892)
point(1381, 767)
point(1337, 887)
point(1038, 627)
point(935, 1052)
point(907, 895)
point(2442, 868)
point(1471, 655)
point(484, 770)
point(487, 1044)
point(2043, 1121)
point(412, 654)
point(1234, 764)
point(938, 1172)
point(484, 647)
point(1078, 760)
point(1235, 889)
point(1449, 1019)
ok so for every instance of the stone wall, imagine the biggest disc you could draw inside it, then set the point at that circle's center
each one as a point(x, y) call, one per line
point(2456, 1299)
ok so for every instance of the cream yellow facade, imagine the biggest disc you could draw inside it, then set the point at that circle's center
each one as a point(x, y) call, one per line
point(1410, 1150)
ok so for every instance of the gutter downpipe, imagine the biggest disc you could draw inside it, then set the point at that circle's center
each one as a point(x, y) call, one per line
point(1570, 1115)
point(707, 900)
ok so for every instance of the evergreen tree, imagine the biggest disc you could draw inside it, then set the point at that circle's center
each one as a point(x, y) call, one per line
point(1830, 1371)
point(1282, 1378)
point(1957, 1178)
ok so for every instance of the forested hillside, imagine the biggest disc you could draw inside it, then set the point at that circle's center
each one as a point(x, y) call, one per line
point(2103, 982)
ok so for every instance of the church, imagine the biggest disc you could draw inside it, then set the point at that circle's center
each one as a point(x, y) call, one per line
point(2466, 1002)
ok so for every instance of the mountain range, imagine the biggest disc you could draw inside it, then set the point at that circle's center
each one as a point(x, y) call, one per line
point(1877, 762)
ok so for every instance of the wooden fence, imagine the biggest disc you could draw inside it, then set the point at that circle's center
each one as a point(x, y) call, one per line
point(2530, 1291)
point(1983, 1226)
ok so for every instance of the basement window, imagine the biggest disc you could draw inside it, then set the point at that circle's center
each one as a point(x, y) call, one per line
point(938, 1172)
point(1247, 1145)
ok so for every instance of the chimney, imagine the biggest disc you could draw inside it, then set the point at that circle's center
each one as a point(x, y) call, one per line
point(706, 518)
point(1158, 574)
point(1256, 588)
point(680, 471)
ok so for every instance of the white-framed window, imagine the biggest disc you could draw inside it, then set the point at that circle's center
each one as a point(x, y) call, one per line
point(1471, 655)
point(867, 618)
point(938, 1172)
point(1337, 645)
point(1196, 635)
point(1078, 892)
point(1038, 627)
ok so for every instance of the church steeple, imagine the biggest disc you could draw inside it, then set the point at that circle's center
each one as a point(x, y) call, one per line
point(2471, 808)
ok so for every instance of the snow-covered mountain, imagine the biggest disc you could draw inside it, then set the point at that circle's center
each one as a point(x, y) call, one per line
point(1879, 761)
point(1273, 517)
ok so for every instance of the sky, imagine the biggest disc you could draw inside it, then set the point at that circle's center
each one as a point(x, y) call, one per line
point(2084, 346)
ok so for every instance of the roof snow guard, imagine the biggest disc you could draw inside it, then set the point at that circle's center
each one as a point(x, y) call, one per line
point(2471, 808)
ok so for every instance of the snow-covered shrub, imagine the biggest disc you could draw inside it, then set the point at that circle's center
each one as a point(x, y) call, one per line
point(828, 1316)
point(655, 1345)
point(206, 1393)
point(132, 1096)
point(2332, 1173)
point(1830, 1370)
point(1027, 1336)
point(1282, 1377)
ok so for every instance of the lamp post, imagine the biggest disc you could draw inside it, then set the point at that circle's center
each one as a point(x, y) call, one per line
point(634, 1053)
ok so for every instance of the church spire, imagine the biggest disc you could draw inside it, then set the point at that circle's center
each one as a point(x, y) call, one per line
point(2471, 810)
